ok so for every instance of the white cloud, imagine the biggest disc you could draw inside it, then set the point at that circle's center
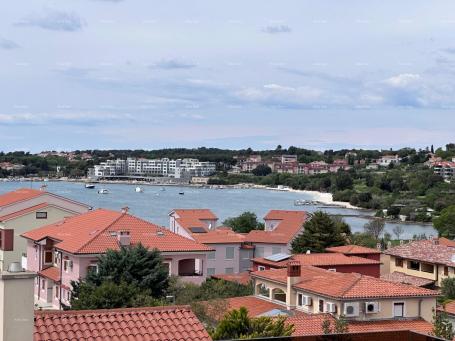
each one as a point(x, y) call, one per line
point(54, 20)
point(403, 80)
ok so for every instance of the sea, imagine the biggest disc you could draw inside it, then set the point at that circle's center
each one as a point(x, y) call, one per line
point(155, 203)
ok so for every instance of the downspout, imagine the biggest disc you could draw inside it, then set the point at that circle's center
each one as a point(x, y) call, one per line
point(61, 281)
point(420, 307)
point(39, 269)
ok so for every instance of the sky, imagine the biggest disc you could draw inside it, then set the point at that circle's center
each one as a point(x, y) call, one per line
point(105, 74)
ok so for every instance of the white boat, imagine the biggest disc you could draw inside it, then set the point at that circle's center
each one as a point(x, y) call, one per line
point(182, 193)
point(103, 191)
point(90, 186)
point(162, 189)
point(139, 189)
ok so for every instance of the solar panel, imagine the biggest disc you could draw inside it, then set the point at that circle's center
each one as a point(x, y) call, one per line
point(197, 230)
point(278, 257)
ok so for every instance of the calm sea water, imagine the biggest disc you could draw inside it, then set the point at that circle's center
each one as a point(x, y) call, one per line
point(154, 204)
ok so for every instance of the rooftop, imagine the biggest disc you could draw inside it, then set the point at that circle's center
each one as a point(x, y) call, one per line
point(430, 251)
point(449, 308)
point(188, 218)
point(24, 211)
point(319, 259)
point(256, 306)
point(19, 195)
point(290, 223)
point(241, 277)
point(172, 323)
point(344, 285)
point(352, 249)
point(400, 277)
point(96, 231)
point(219, 236)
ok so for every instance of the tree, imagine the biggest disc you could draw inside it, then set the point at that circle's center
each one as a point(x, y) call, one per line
point(364, 239)
point(441, 326)
point(320, 232)
point(445, 223)
point(448, 288)
point(262, 170)
point(398, 231)
point(236, 324)
point(343, 181)
point(375, 227)
point(244, 223)
point(133, 265)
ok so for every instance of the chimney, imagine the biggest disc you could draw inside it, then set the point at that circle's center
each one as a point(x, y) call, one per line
point(125, 210)
point(435, 241)
point(124, 239)
point(293, 277)
point(17, 304)
point(378, 246)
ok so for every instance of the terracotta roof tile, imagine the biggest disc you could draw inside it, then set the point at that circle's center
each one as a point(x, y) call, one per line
point(352, 249)
point(425, 251)
point(241, 277)
point(344, 285)
point(400, 277)
point(173, 323)
point(312, 325)
point(52, 273)
point(95, 232)
point(219, 236)
point(19, 195)
point(255, 305)
point(320, 259)
point(188, 218)
point(290, 225)
point(24, 211)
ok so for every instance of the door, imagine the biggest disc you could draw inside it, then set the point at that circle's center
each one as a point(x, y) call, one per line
point(49, 293)
point(398, 309)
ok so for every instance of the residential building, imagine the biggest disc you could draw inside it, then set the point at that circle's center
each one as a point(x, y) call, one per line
point(357, 251)
point(386, 160)
point(312, 290)
point(25, 209)
point(330, 261)
point(445, 169)
point(449, 309)
point(432, 260)
point(188, 221)
point(67, 250)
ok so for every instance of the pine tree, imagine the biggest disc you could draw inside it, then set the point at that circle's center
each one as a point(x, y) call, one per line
point(320, 232)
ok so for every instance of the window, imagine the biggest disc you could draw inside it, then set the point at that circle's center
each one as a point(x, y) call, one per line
point(398, 309)
point(41, 215)
point(332, 269)
point(6, 239)
point(166, 265)
point(92, 267)
point(259, 252)
point(43, 284)
point(48, 256)
point(210, 271)
point(300, 300)
point(446, 271)
point(276, 250)
point(68, 295)
point(413, 265)
point(67, 265)
point(229, 270)
point(211, 255)
point(321, 306)
point(427, 268)
point(261, 268)
point(230, 252)
point(399, 262)
point(56, 291)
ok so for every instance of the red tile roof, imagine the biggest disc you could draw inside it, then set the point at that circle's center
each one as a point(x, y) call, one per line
point(188, 218)
point(319, 259)
point(95, 232)
point(52, 273)
point(24, 211)
point(219, 236)
point(241, 278)
point(352, 249)
point(256, 306)
point(344, 285)
point(426, 251)
point(289, 226)
point(400, 277)
point(449, 308)
point(19, 195)
point(312, 325)
point(446, 242)
point(173, 323)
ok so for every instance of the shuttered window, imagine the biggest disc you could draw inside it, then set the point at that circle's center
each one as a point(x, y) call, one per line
point(6, 239)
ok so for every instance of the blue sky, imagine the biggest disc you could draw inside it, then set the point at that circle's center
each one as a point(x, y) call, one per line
point(83, 74)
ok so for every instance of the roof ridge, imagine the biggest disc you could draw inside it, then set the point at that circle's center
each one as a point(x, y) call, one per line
point(102, 230)
point(358, 277)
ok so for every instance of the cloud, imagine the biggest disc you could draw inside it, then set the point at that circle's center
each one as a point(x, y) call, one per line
point(61, 118)
point(403, 80)
point(275, 29)
point(55, 21)
point(172, 64)
point(450, 50)
point(7, 44)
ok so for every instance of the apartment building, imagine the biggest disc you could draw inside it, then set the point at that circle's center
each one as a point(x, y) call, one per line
point(426, 262)
point(67, 250)
point(312, 290)
point(445, 169)
point(25, 209)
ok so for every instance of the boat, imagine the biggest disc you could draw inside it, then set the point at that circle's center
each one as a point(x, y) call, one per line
point(302, 202)
point(139, 189)
point(89, 186)
point(162, 189)
point(103, 191)
point(181, 193)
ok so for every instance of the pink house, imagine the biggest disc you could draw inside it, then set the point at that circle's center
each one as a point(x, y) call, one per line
point(67, 250)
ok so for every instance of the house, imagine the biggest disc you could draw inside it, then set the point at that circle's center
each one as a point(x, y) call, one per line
point(449, 309)
point(281, 227)
point(329, 261)
point(386, 160)
point(359, 297)
point(25, 209)
point(188, 221)
point(67, 250)
point(356, 251)
point(431, 260)
point(445, 169)
point(231, 253)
